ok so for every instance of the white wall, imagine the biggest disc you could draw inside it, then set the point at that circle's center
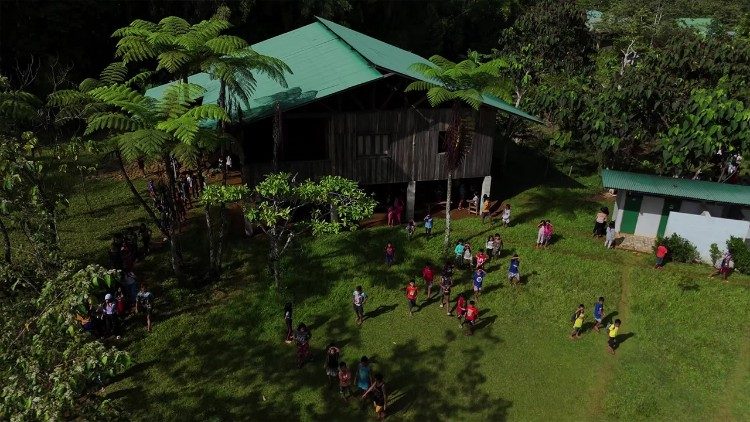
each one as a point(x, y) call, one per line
point(650, 216)
point(702, 230)
point(619, 206)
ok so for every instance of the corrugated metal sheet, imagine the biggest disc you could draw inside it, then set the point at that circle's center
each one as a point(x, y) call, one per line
point(679, 188)
point(322, 64)
point(325, 58)
point(397, 60)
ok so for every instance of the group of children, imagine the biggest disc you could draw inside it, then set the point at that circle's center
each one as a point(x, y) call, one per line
point(463, 252)
point(579, 315)
point(545, 230)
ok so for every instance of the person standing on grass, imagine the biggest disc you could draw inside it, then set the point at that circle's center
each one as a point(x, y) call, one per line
point(144, 303)
point(378, 396)
point(612, 330)
point(429, 276)
point(428, 225)
point(548, 232)
point(601, 222)
point(468, 259)
point(478, 280)
point(288, 322)
point(486, 208)
point(609, 240)
point(364, 374)
point(598, 313)
point(460, 308)
point(332, 364)
point(345, 381)
point(446, 284)
point(390, 254)
point(410, 228)
point(459, 252)
point(723, 266)
point(472, 314)
point(540, 234)
point(302, 337)
point(514, 270)
point(359, 298)
point(481, 259)
point(577, 319)
point(497, 245)
point(411, 295)
point(661, 254)
point(490, 246)
point(506, 215)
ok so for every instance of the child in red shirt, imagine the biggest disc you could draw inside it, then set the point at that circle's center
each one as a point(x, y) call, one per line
point(390, 253)
point(345, 381)
point(428, 275)
point(472, 313)
point(411, 296)
point(661, 253)
point(461, 307)
point(481, 258)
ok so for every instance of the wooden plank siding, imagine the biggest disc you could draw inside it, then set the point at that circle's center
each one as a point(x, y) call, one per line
point(404, 126)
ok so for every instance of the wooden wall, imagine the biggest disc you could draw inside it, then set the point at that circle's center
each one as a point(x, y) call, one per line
point(413, 152)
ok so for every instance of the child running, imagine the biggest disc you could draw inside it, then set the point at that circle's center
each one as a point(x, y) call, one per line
point(486, 208)
point(612, 330)
point(410, 228)
point(378, 396)
point(481, 258)
point(478, 279)
point(390, 254)
point(144, 303)
point(411, 296)
point(460, 308)
point(598, 313)
point(577, 319)
point(609, 240)
point(661, 254)
point(446, 284)
point(332, 364)
point(514, 271)
point(506, 215)
point(345, 381)
point(428, 225)
point(472, 313)
point(497, 245)
point(468, 259)
point(428, 276)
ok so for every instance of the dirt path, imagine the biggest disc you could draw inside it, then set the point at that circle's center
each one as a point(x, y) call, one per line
point(733, 387)
point(605, 372)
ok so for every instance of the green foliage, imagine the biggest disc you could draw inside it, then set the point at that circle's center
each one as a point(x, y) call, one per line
point(680, 249)
point(740, 254)
point(48, 365)
point(223, 194)
point(714, 252)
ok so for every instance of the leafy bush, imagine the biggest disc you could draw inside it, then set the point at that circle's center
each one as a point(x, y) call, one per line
point(680, 249)
point(715, 253)
point(740, 254)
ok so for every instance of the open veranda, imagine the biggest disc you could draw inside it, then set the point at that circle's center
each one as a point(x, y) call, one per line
point(218, 353)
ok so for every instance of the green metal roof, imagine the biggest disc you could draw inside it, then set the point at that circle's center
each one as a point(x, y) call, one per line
point(325, 58)
point(679, 188)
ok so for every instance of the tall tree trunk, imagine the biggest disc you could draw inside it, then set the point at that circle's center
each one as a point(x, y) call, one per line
point(211, 244)
point(220, 238)
point(223, 104)
point(274, 259)
point(276, 137)
point(138, 196)
point(174, 244)
point(447, 239)
point(6, 240)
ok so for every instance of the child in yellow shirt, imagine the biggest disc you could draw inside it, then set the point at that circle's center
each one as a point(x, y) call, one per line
point(612, 330)
point(577, 319)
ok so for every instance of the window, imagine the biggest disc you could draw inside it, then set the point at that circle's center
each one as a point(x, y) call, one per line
point(441, 141)
point(373, 145)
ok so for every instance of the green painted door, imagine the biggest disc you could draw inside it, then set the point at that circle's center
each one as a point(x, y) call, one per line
point(670, 204)
point(630, 212)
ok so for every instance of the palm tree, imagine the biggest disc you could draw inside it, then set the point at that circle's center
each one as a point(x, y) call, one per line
point(466, 82)
point(141, 126)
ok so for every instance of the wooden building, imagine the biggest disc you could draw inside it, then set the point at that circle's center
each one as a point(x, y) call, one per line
point(344, 112)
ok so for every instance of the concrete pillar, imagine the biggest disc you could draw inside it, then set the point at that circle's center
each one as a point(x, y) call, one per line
point(486, 183)
point(410, 192)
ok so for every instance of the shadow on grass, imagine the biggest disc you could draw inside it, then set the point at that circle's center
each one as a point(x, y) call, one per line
point(622, 338)
point(380, 310)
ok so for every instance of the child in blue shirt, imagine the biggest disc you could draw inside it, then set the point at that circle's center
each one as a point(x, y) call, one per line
point(428, 225)
point(514, 275)
point(598, 313)
point(478, 279)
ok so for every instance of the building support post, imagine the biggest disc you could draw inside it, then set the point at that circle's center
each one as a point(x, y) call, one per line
point(410, 194)
point(486, 183)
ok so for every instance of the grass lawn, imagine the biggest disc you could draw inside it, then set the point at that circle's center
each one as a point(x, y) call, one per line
point(217, 353)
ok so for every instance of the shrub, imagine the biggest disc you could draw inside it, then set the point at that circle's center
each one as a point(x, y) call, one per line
point(740, 254)
point(715, 253)
point(680, 249)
